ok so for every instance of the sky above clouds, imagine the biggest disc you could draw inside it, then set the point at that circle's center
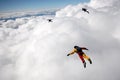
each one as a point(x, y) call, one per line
point(13, 5)
point(31, 48)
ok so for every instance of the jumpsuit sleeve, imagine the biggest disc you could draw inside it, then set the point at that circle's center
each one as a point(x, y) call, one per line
point(83, 48)
point(73, 51)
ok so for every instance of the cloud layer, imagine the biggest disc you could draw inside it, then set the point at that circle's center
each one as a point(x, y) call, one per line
point(31, 48)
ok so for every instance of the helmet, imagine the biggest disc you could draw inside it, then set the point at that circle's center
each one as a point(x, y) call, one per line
point(75, 46)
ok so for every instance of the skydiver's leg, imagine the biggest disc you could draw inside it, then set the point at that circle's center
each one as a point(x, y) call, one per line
point(82, 59)
point(87, 12)
point(90, 61)
point(88, 58)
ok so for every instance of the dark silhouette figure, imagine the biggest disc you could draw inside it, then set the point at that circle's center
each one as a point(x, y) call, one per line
point(85, 10)
point(49, 20)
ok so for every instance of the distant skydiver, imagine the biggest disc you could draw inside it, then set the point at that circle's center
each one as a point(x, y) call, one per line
point(49, 20)
point(85, 10)
point(81, 54)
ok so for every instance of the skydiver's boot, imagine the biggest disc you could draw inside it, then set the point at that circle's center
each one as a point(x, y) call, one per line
point(84, 63)
point(90, 61)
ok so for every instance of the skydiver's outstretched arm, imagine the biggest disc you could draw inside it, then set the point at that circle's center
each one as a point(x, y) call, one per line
point(72, 52)
point(83, 48)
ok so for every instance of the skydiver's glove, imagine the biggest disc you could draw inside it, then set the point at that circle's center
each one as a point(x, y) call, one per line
point(68, 54)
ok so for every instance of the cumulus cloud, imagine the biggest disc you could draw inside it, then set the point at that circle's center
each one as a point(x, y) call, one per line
point(31, 48)
point(102, 3)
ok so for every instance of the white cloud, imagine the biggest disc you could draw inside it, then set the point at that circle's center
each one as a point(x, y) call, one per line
point(34, 49)
point(20, 14)
point(104, 3)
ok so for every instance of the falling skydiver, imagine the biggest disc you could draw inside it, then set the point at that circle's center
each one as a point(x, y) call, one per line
point(49, 20)
point(81, 54)
point(85, 10)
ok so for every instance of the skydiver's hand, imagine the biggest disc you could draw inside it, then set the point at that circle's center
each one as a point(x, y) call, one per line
point(68, 54)
point(86, 49)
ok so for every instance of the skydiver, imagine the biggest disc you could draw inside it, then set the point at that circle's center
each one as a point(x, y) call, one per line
point(85, 10)
point(81, 54)
point(49, 20)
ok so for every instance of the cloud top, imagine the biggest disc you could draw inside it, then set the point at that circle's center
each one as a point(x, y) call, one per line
point(31, 48)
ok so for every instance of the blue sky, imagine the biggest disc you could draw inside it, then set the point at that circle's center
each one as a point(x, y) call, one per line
point(12, 5)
